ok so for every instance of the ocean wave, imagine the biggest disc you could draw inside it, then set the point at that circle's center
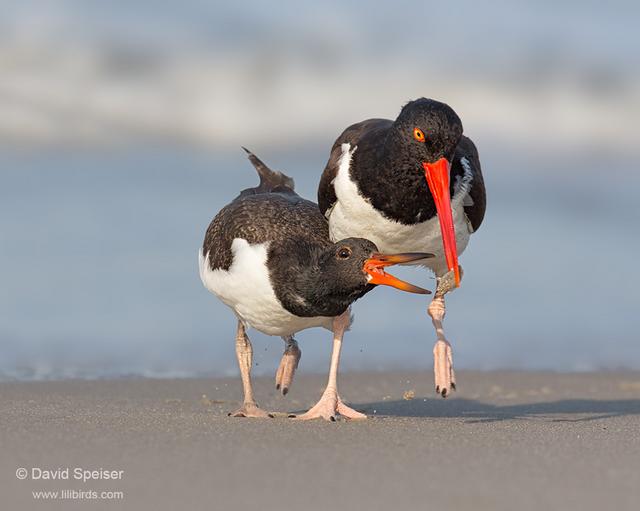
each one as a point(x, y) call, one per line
point(271, 81)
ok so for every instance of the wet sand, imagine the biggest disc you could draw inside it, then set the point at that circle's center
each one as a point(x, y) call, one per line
point(505, 440)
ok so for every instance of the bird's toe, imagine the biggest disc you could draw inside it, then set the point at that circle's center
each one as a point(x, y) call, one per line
point(250, 410)
point(287, 369)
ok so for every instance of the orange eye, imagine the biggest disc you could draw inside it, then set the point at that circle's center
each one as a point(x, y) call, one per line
point(418, 134)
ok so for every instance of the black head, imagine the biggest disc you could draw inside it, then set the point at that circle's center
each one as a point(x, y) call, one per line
point(353, 266)
point(342, 265)
point(325, 281)
point(428, 130)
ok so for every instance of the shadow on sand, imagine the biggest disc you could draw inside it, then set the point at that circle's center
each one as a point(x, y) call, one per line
point(566, 410)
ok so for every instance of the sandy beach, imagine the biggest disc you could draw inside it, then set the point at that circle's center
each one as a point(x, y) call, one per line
point(505, 440)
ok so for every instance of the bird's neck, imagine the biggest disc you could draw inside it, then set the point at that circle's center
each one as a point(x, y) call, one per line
point(393, 181)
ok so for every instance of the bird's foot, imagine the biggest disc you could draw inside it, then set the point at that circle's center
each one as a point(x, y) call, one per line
point(329, 405)
point(443, 368)
point(447, 283)
point(287, 368)
point(250, 410)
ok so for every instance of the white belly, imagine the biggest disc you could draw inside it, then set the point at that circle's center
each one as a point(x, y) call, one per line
point(354, 216)
point(246, 288)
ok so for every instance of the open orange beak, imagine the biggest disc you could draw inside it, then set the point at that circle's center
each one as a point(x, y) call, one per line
point(437, 175)
point(374, 268)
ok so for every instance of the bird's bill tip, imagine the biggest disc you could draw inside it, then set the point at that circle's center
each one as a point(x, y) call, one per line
point(374, 268)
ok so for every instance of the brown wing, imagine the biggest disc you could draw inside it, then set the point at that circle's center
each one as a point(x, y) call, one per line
point(475, 211)
point(263, 217)
point(352, 135)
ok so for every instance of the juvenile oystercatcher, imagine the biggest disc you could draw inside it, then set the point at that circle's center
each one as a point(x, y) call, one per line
point(267, 255)
point(413, 184)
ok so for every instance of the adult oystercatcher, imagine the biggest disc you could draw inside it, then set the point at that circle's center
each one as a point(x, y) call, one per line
point(413, 184)
point(267, 255)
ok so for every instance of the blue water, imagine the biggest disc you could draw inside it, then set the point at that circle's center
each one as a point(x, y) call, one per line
point(98, 265)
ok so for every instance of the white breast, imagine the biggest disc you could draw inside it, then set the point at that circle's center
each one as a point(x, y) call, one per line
point(354, 216)
point(247, 289)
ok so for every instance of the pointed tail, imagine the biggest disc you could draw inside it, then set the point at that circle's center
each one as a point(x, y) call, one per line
point(270, 180)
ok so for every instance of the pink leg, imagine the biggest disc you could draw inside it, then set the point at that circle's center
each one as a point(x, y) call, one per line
point(288, 365)
point(445, 379)
point(244, 353)
point(330, 403)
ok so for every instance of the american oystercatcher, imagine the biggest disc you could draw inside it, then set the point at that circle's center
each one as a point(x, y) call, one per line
point(267, 255)
point(413, 184)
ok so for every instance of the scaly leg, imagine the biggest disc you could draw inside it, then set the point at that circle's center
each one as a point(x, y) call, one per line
point(288, 365)
point(330, 402)
point(244, 352)
point(445, 378)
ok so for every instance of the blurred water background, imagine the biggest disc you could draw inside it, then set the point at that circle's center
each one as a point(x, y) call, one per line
point(120, 132)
